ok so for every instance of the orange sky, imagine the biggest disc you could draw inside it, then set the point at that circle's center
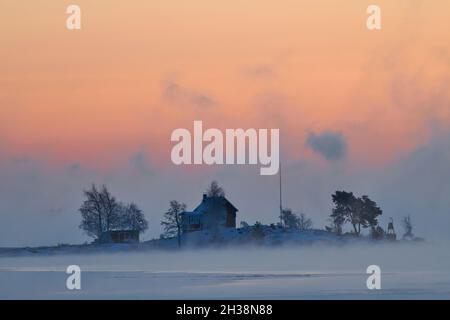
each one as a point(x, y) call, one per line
point(139, 69)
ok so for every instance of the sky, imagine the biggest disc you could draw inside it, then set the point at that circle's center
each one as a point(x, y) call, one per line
point(358, 110)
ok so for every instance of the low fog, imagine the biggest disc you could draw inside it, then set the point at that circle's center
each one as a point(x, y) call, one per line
point(309, 258)
point(407, 271)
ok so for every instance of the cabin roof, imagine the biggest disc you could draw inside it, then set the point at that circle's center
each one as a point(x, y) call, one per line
point(210, 202)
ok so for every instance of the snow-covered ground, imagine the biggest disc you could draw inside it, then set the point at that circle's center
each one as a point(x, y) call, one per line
point(411, 271)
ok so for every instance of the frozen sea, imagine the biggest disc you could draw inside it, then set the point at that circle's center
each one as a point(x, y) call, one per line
point(420, 271)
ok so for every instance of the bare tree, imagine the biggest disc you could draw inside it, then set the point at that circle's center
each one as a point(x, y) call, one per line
point(408, 227)
point(214, 190)
point(100, 212)
point(289, 219)
point(111, 209)
point(304, 223)
point(92, 213)
point(294, 221)
point(132, 218)
point(172, 222)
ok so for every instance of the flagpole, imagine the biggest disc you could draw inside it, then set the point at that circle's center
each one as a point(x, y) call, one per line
point(281, 202)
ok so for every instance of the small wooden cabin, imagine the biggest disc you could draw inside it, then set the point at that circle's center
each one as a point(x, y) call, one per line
point(119, 236)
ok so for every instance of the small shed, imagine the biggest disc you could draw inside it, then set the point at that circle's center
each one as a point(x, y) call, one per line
point(120, 236)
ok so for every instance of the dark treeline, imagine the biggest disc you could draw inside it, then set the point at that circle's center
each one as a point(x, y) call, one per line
point(101, 212)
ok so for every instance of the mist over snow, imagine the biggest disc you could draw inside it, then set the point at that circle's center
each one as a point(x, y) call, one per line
point(417, 271)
